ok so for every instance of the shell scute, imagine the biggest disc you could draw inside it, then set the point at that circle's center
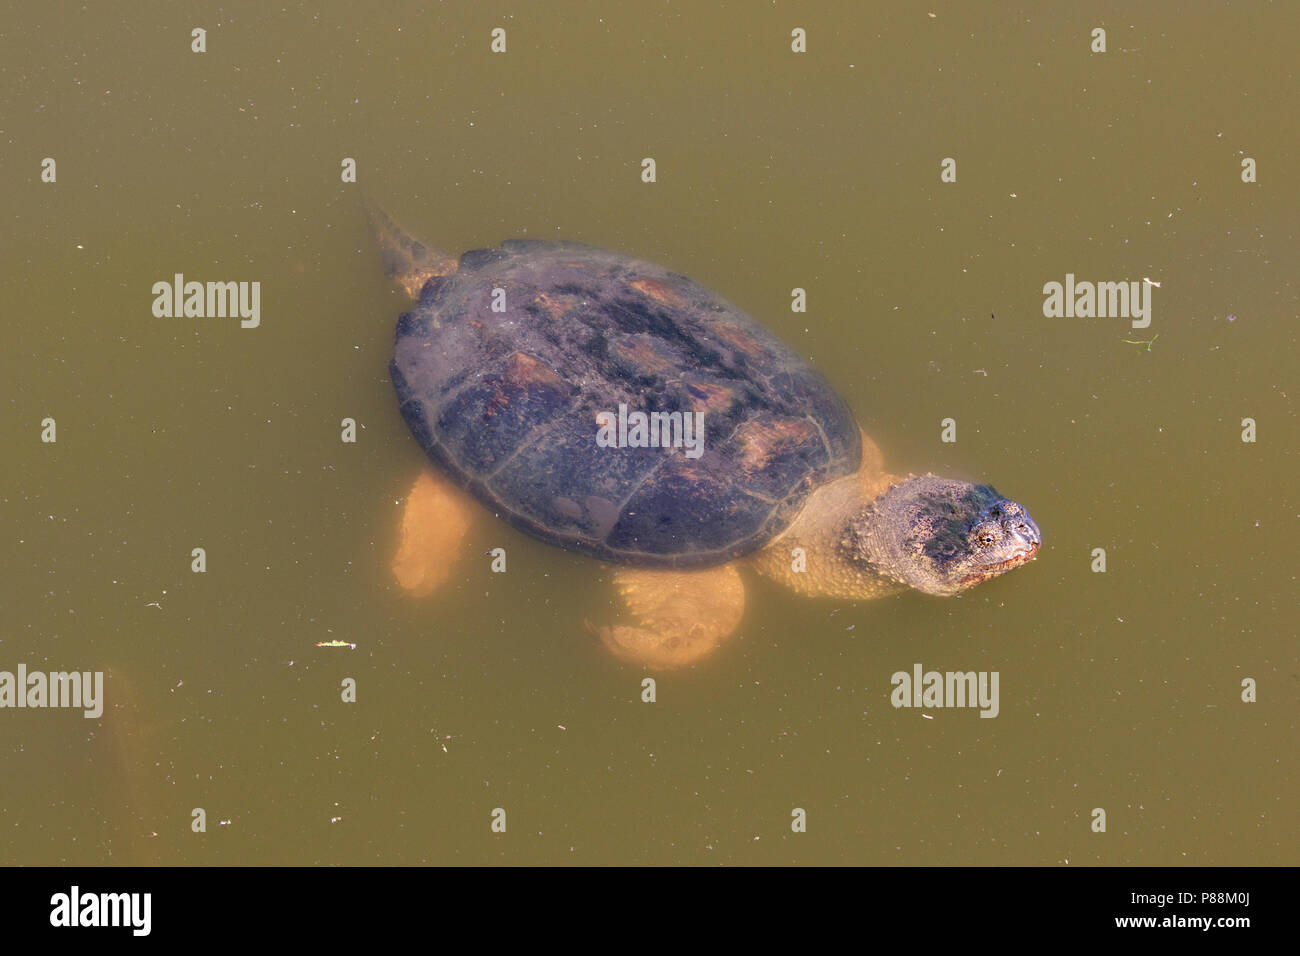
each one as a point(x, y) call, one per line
point(507, 403)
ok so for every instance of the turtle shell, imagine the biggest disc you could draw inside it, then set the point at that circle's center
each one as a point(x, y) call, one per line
point(505, 365)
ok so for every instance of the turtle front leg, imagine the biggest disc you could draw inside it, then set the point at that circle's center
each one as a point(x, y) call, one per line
point(672, 619)
point(436, 516)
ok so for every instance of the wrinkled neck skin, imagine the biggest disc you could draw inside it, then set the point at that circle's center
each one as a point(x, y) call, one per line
point(812, 558)
point(941, 536)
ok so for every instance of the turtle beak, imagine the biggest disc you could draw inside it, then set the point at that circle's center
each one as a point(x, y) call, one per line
point(1022, 540)
point(1023, 535)
point(1019, 543)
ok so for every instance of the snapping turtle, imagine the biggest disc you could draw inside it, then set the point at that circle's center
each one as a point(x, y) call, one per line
point(608, 406)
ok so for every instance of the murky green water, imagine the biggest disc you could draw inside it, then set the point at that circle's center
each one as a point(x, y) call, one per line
point(776, 170)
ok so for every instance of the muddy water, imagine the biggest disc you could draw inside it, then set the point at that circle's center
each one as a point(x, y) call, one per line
point(1118, 690)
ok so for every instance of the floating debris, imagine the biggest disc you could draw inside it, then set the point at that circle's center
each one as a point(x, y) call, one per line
point(1147, 343)
point(351, 647)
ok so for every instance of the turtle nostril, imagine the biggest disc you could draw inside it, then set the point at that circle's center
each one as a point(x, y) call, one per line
point(1023, 530)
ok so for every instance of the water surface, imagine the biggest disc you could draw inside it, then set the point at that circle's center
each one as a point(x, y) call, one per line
point(775, 171)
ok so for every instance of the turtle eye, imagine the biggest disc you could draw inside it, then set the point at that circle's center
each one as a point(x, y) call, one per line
point(985, 538)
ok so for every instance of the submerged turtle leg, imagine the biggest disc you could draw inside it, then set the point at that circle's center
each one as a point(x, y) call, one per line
point(435, 519)
point(407, 260)
point(674, 618)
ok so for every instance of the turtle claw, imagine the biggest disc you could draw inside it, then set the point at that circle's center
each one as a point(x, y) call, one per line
point(672, 619)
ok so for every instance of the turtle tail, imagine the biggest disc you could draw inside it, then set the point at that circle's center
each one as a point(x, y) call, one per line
point(407, 260)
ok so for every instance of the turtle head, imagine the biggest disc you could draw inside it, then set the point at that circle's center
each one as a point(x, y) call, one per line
point(942, 536)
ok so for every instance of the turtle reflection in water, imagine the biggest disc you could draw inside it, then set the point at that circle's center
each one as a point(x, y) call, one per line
point(506, 403)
